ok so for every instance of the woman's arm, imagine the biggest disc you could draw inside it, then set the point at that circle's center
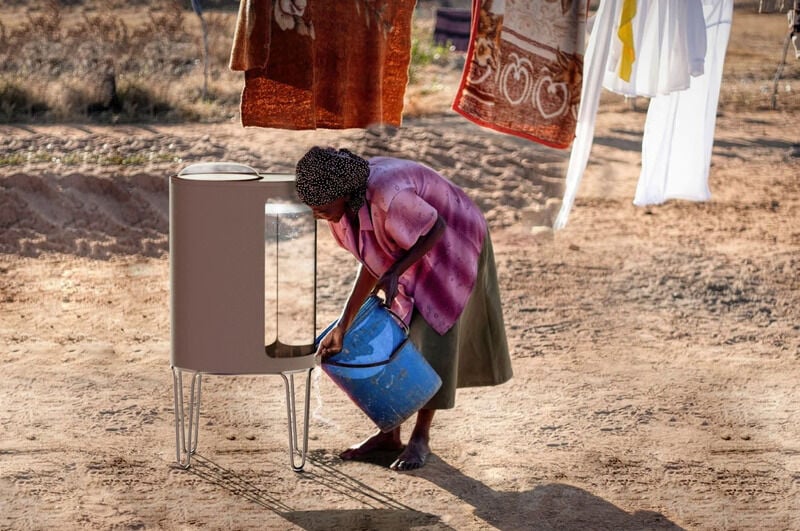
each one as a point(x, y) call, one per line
point(389, 280)
point(365, 283)
point(332, 343)
point(362, 287)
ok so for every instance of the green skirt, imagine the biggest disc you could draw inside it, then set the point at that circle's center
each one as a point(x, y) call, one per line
point(474, 352)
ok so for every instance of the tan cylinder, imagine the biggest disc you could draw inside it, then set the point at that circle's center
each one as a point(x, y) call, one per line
point(217, 272)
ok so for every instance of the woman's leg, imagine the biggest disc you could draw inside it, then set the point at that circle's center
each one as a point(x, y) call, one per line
point(418, 448)
point(389, 440)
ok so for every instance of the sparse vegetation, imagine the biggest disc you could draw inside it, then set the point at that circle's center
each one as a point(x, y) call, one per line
point(141, 61)
point(425, 52)
point(112, 158)
point(17, 103)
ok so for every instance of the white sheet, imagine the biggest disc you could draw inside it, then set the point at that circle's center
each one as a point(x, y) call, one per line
point(679, 129)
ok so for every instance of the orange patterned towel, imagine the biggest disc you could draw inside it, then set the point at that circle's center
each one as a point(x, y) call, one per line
point(524, 68)
point(323, 64)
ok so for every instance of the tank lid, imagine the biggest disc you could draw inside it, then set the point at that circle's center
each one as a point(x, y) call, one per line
point(219, 171)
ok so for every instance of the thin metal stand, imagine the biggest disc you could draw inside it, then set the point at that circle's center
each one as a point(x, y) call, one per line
point(794, 28)
point(779, 71)
point(187, 423)
point(291, 413)
point(186, 433)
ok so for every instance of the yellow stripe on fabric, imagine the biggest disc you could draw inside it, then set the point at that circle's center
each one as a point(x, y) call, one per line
point(625, 34)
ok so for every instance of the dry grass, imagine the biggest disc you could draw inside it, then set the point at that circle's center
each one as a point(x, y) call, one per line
point(65, 62)
point(59, 58)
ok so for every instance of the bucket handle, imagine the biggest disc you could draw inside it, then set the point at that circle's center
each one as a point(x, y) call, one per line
point(368, 365)
point(382, 301)
point(397, 318)
point(358, 317)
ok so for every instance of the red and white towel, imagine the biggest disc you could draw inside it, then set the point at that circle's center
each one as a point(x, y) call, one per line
point(524, 68)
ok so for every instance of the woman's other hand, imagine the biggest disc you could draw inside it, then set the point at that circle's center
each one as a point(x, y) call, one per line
point(388, 284)
point(332, 343)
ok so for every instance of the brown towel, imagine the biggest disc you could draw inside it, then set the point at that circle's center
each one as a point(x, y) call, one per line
point(251, 37)
point(328, 64)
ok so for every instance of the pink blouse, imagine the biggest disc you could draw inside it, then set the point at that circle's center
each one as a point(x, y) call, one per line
point(404, 198)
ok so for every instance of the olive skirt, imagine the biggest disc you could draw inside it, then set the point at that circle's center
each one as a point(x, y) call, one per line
point(474, 352)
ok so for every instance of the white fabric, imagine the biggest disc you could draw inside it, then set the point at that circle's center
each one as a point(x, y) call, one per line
point(679, 129)
point(604, 28)
point(597, 65)
point(670, 44)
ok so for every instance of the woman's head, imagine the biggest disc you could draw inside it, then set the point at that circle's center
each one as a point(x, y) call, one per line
point(327, 180)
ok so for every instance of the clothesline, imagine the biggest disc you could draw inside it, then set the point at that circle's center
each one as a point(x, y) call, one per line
point(527, 73)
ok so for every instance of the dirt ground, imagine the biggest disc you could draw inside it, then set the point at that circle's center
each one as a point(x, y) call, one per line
point(655, 349)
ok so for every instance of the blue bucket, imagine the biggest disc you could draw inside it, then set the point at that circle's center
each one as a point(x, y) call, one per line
point(379, 368)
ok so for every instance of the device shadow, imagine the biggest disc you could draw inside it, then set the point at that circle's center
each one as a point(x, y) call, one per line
point(379, 511)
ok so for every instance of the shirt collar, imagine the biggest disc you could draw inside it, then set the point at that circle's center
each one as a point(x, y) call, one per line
point(364, 219)
point(344, 230)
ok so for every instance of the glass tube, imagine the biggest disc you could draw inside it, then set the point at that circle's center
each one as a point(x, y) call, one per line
point(289, 278)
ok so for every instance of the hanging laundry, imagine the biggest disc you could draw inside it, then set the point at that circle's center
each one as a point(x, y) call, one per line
point(251, 36)
point(794, 25)
point(679, 129)
point(524, 67)
point(604, 27)
point(323, 64)
point(670, 43)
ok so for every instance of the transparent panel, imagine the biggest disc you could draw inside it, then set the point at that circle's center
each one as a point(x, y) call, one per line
point(289, 279)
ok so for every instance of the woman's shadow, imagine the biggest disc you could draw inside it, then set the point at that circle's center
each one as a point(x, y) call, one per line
point(552, 506)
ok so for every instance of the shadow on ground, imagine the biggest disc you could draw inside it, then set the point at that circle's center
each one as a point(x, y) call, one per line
point(379, 511)
point(552, 506)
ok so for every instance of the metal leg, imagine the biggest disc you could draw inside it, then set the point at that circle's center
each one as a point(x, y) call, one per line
point(779, 71)
point(291, 412)
point(186, 431)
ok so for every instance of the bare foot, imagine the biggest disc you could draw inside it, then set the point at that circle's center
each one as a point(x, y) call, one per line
point(414, 456)
point(379, 441)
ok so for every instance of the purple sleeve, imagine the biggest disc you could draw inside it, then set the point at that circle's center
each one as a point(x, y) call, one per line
point(409, 217)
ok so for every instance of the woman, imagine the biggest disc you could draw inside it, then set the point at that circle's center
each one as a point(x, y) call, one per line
point(425, 244)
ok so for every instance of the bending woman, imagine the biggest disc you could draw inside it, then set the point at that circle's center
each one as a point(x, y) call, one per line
point(425, 244)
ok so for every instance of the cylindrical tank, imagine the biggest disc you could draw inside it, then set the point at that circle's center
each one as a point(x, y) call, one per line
point(242, 271)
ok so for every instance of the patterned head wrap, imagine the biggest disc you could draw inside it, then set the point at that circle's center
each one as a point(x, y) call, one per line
point(324, 175)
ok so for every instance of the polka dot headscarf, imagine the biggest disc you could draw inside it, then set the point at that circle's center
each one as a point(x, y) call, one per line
point(324, 175)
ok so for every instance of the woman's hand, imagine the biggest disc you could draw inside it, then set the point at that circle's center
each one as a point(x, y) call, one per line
point(388, 284)
point(389, 280)
point(332, 343)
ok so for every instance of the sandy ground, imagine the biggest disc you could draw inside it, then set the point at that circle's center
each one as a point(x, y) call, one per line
point(655, 349)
